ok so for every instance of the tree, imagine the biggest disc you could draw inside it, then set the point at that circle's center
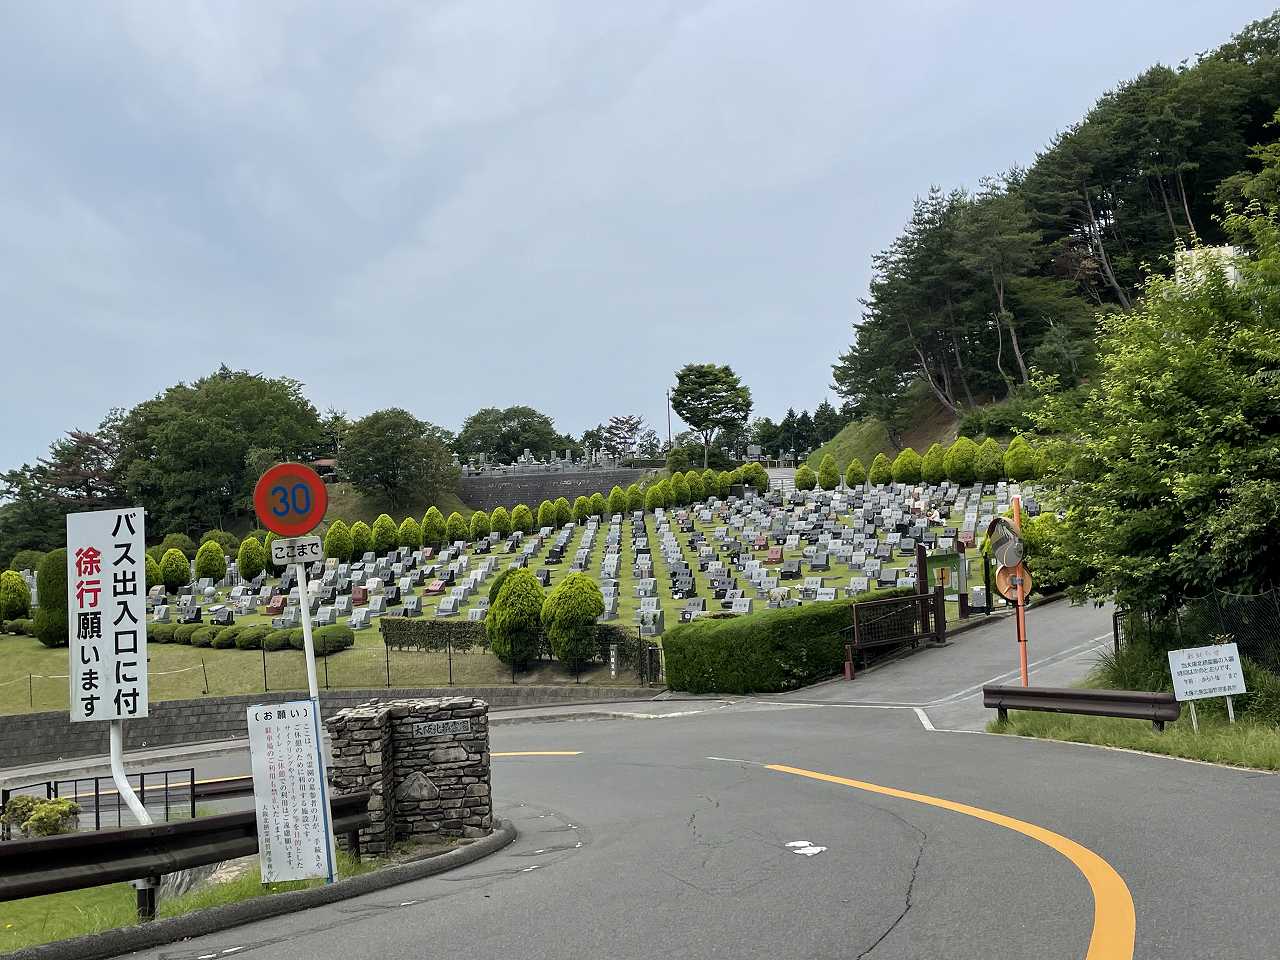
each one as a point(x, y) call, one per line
point(51, 591)
point(15, 597)
point(333, 434)
point(503, 435)
point(959, 461)
point(617, 501)
point(564, 512)
point(251, 560)
point(479, 525)
point(855, 474)
point(392, 453)
point(456, 528)
point(546, 514)
point(828, 473)
point(211, 562)
point(827, 422)
point(569, 615)
point(361, 539)
point(514, 623)
point(648, 445)
point(1020, 459)
point(500, 522)
point(696, 491)
point(597, 505)
point(677, 460)
point(228, 541)
point(175, 571)
point(522, 518)
point(710, 398)
point(806, 479)
point(933, 468)
point(180, 541)
point(337, 542)
point(635, 498)
point(384, 535)
point(881, 470)
point(433, 532)
point(988, 464)
point(26, 560)
point(620, 435)
point(409, 534)
point(907, 467)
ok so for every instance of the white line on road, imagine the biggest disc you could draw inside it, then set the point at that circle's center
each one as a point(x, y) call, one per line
point(924, 719)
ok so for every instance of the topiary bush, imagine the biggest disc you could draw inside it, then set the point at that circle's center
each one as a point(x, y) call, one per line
point(409, 534)
point(1020, 460)
point(710, 483)
point(160, 632)
point(828, 473)
point(679, 490)
point(617, 501)
point(15, 596)
point(183, 632)
point(456, 528)
point(758, 477)
point(51, 588)
point(152, 572)
point(933, 468)
point(546, 514)
point(907, 467)
point(326, 640)
point(596, 505)
point(635, 498)
point(806, 479)
point(724, 480)
point(180, 542)
point(653, 498)
point(479, 525)
point(564, 513)
point(496, 587)
point(250, 638)
point(569, 615)
point(210, 562)
point(225, 638)
point(581, 509)
point(522, 518)
point(229, 542)
point(500, 522)
point(697, 493)
point(26, 560)
point(881, 470)
point(278, 640)
point(988, 464)
point(384, 535)
point(361, 539)
point(337, 542)
point(251, 559)
point(959, 461)
point(203, 637)
point(175, 572)
point(514, 623)
point(855, 474)
point(433, 528)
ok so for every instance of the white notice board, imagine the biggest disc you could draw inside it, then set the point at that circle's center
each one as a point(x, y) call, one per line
point(1200, 672)
point(294, 839)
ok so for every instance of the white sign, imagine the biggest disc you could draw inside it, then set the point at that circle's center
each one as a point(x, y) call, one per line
point(107, 614)
point(1200, 672)
point(438, 728)
point(296, 550)
point(294, 838)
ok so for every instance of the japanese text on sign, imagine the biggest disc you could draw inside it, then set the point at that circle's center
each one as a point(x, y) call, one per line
point(107, 614)
point(1200, 672)
point(294, 842)
point(297, 550)
point(437, 728)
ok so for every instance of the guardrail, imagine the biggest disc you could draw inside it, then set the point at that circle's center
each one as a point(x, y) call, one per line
point(31, 868)
point(1159, 708)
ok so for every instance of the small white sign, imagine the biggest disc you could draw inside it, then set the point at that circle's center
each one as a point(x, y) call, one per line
point(439, 728)
point(294, 838)
point(1200, 672)
point(296, 550)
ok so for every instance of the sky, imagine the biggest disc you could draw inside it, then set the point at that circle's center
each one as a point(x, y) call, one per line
point(444, 206)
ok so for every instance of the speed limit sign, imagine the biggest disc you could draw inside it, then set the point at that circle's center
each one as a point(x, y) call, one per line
point(290, 499)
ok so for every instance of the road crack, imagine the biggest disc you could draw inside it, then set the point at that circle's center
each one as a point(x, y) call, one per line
point(911, 884)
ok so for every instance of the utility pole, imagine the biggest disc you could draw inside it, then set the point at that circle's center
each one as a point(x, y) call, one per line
point(668, 418)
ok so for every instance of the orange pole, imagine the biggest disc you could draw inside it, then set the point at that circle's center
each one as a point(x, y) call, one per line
point(1019, 610)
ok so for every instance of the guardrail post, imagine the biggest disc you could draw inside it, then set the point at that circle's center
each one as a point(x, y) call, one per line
point(353, 845)
point(939, 614)
point(147, 889)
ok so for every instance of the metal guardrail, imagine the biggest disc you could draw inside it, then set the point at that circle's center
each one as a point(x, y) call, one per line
point(30, 868)
point(1158, 707)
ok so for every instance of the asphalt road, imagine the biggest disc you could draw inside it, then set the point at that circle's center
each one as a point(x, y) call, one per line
point(668, 837)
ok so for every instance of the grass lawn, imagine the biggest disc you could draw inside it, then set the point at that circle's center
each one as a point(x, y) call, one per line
point(1243, 743)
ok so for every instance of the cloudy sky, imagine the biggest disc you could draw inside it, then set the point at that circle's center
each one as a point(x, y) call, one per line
point(450, 205)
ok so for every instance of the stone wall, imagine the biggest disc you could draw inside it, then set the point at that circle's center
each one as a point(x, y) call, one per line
point(487, 492)
point(425, 763)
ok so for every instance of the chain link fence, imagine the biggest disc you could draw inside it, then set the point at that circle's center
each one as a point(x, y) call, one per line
point(1251, 621)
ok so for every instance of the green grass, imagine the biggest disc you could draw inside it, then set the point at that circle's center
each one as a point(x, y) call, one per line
point(861, 438)
point(1244, 743)
point(349, 505)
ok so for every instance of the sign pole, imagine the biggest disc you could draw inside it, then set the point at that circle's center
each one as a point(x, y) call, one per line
point(122, 779)
point(1231, 711)
point(1195, 723)
point(1020, 605)
point(313, 688)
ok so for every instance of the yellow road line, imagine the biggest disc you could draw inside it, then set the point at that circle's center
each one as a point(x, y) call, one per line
point(539, 753)
point(1114, 922)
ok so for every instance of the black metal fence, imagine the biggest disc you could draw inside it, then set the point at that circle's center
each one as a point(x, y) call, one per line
point(1251, 621)
point(167, 793)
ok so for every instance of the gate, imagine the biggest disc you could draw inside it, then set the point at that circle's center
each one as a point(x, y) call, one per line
point(886, 625)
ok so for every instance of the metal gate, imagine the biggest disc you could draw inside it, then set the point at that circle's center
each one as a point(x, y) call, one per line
point(881, 626)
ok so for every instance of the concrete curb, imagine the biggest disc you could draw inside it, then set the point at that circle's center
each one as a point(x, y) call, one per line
point(113, 943)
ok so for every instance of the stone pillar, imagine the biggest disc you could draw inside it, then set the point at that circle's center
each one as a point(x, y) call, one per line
point(362, 748)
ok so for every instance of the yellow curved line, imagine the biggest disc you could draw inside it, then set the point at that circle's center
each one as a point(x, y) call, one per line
point(539, 753)
point(1114, 922)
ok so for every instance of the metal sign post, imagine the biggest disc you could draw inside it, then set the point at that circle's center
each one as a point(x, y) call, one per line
point(1020, 608)
point(1005, 540)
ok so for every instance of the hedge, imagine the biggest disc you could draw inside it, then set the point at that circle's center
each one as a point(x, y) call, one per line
point(22, 626)
point(279, 639)
point(160, 632)
point(203, 636)
point(226, 637)
point(765, 652)
point(250, 638)
point(417, 633)
point(15, 597)
point(326, 640)
point(211, 562)
point(51, 587)
point(251, 559)
point(183, 632)
point(806, 479)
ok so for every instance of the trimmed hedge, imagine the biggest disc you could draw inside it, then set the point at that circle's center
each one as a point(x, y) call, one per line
point(417, 633)
point(51, 587)
point(203, 637)
point(764, 652)
point(250, 638)
point(280, 639)
point(160, 632)
point(23, 627)
point(326, 640)
point(226, 637)
point(183, 632)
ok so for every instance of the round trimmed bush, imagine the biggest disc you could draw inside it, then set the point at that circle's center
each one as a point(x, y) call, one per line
point(337, 542)
point(724, 480)
point(597, 504)
point(384, 535)
point(328, 640)
point(855, 474)
point(152, 572)
point(828, 473)
point(653, 498)
point(229, 542)
point(500, 522)
point(564, 512)
point(496, 587)
point(635, 498)
point(225, 638)
point(546, 514)
point(988, 464)
point(806, 479)
point(15, 596)
point(881, 470)
point(175, 572)
point(160, 632)
point(617, 500)
point(959, 460)
point(251, 559)
point(204, 636)
point(26, 560)
point(184, 632)
point(361, 539)
point(569, 615)
point(758, 477)
point(456, 528)
point(278, 639)
point(180, 542)
point(251, 637)
point(514, 623)
point(433, 528)
point(933, 468)
point(907, 466)
point(479, 525)
point(1020, 460)
point(410, 534)
point(211, 562)
point(581, 509)
point(522, 518)
point(679, 490)
point(697, 492)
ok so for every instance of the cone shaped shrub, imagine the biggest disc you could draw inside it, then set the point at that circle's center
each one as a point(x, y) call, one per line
point(635, 498)
point(153, 570)
point(337, 542)
point(694, 479)
point(855, 474)
point(933, 469)
point(881, 469)
point(51, 591)
point(564, 512)
point(806, 479)
point(581, 509)
point(251, 559)
point(546, 514)
point(617, 501)
point(384, 535)
point(710, 483)
point(361, 539)
point(410, 533)
point(597, 505)
point(514, 623)
point(679, 490)
point(988, 464)
point(456, 528)
point(653, 498)
point(210, 562)
point(433, 528)
point(1020, 460)
point(500, 522)
point(522, 518)
point(569, 619)
point(907, 466)
point(828, 473)
point(228, 541)
point(181, 542)
point(959, 460)
point(480, 526)
point(15, 597)
point(174, 570)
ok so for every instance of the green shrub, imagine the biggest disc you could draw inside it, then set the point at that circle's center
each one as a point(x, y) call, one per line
point(180, 542)
point(828, 473)
point(225, 638)
point(697, 493)
point(160, 632)
point(279, 639)
point(765, 652)
point(500, 522)
point(337, 542)
point(710, 483)
point(203, 637)
point(229, 542)
point(581, 509)
point(456, 528)
point(183, 633)
point(959, 461)
point(855, 475)
point(514, 623)
point(617, 501)
point(1020, 460)
point(23, 627)
point(45, 817)
point(384, 535)
point(251, 637)
point(881, 470)
point(361, 539)
point(51, 586)
point(988, 464)
point(635, 498)
point(15, 596)
point(420, 633)
point(479, 525)
point(679, 490)
point(806, 479)
point(409, 534)
point(433, 529)
point(677, 460)
point(175, 572)
point(569, 615)
point(546, 514)
point(152, 572)
point(251, 559)
point(155, 553)
point(596, 505)
point(653, 498)
point(758, 477)
point(522, 518)
point(564, 513)
point(907, 467)
point(933, 469)
point(724, 480)
point(326, 640)
point(496, 587)
point(26, 560)
point(210, 562)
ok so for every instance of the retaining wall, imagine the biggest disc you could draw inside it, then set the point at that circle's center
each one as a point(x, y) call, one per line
point(487, 492)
